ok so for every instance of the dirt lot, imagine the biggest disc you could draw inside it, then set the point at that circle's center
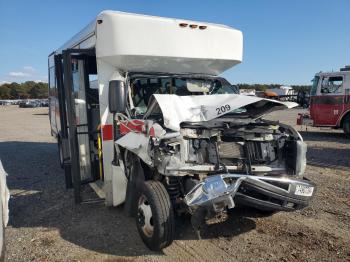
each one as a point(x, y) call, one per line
point(46, 225)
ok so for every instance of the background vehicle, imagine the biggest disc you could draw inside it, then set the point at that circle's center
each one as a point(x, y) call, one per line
point(31, 103)
point(137, 107)
point(329, 101)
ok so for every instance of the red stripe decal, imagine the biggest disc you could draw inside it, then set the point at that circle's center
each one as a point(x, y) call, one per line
point(107, 132)
point(135, 125)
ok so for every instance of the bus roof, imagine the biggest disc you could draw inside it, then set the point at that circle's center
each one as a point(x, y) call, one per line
point(133, 42)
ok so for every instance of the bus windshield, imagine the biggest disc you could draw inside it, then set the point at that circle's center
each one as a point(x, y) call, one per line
point(143, 87)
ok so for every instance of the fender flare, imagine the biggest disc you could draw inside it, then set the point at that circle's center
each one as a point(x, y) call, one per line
point(340, 121)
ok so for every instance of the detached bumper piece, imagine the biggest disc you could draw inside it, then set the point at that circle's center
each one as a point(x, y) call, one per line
point(263, 192)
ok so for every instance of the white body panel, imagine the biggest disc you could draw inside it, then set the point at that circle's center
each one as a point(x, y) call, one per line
point(115, 193)
point(132, 42)
point(155, 44)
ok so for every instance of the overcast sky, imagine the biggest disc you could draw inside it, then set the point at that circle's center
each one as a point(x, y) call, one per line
point(285, 42)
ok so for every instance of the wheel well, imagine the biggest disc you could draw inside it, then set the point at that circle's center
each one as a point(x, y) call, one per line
point(343, 118)
point(144, 170)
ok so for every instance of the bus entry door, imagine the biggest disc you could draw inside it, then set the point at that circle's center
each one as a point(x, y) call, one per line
point(76, 83)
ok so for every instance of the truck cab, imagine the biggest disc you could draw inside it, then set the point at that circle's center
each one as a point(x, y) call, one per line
point(329, 101)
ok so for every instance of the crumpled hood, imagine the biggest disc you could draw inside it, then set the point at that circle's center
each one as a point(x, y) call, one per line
point(199, 108)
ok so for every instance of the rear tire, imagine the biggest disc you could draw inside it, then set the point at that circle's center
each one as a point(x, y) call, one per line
point(155, 216)
point(346, 125)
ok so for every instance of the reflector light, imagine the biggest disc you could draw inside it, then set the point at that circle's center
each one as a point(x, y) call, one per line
point(202, 27)
point(183, 25)
point(193, 26)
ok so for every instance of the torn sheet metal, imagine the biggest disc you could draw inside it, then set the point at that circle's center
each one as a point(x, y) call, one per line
point(178, 109)
point(137, 143)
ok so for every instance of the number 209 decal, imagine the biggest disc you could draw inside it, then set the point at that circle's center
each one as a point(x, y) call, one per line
point(223, 109)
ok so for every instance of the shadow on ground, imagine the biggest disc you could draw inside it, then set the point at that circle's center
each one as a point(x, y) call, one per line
point(41, 200)
point(330, 136)
point(322, 156)
point(332, 157)
point(40, 114)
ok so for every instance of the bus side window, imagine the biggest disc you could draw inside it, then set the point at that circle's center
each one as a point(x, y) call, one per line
point(332, 85)
point(52, 82)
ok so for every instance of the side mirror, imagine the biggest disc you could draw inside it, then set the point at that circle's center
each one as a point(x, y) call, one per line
point(117, 96)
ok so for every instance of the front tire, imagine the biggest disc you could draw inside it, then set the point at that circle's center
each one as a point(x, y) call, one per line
point(346, 125)
point(155, 216)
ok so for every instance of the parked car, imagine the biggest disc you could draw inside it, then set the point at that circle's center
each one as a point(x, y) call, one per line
point(44, 103)
point(29, 104)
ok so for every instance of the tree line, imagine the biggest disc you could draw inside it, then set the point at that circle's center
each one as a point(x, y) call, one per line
point(263, 87)
point(29, 89)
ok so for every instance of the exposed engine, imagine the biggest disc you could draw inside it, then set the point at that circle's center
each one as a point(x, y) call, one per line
point(214, 163)
point(254, 148)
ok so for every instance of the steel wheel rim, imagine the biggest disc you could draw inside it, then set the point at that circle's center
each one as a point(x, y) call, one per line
point(145, 217)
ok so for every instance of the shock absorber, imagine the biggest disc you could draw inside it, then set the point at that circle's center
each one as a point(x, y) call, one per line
point(173, 187)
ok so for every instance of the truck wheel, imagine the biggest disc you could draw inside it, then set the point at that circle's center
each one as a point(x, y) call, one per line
point(155, 216)
point(346, 125)
point(60, 153)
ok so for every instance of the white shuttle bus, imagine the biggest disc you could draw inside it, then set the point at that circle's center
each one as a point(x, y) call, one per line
point(141, 114)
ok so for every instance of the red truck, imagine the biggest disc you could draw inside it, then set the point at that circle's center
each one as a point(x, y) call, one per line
point(329, 101)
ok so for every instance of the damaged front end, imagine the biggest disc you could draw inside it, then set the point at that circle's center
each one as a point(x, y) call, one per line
point(213, 152)
point(258, 164)
point(277, 193)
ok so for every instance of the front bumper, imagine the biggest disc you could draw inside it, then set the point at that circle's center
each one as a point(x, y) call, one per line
point(263, 192)
point(304, 120)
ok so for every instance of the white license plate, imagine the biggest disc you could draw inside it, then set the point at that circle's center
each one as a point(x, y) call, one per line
point(302, 190)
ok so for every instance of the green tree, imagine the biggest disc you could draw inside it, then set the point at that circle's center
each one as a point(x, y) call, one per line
point(5, 92)
point(39, 90)
point(17, 91)
point(29, 89)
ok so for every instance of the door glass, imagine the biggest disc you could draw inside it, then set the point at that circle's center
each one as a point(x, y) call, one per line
point(53, 95)
point(93, 81)
point(81, 118)
point(332, 85)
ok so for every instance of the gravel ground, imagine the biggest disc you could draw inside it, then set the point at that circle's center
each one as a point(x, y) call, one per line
point(46, 225)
